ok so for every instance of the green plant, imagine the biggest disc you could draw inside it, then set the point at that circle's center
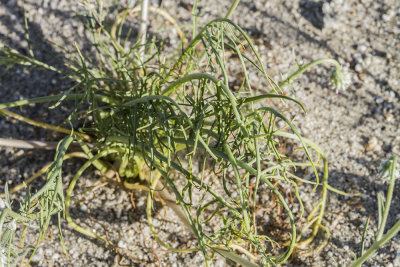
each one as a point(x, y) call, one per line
point(143, 117)
point(389, 172)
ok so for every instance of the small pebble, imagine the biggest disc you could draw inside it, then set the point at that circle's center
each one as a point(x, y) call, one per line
point(361, 48)
point(358, 68)
point(122, 244)
point(83, 207)
point(373, 144)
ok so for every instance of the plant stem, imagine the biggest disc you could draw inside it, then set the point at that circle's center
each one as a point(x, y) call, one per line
point(143, 25)
point(324, 196)
point(232, 8)
point(194, 17)
point(306, 67)
point(388, 199)
point(44, 99)
point(363, 237)
point(379, 240)
point(41, 124)
point(42, 171)
point(28, 144)
point(26, 60)
point(71, 188)
point(377, 244)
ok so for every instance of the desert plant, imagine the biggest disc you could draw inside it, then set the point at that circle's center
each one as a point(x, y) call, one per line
point(390, 173)
point(150, 121)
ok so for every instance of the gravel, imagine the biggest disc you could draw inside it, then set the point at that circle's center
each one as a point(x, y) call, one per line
point(357, 129)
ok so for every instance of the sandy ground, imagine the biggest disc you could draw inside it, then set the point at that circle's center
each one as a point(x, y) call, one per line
point(357, 129)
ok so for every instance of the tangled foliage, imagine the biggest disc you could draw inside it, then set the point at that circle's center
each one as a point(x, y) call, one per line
point(145, 116)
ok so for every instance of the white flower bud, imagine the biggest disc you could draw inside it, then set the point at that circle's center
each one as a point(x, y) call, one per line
point(341, 79)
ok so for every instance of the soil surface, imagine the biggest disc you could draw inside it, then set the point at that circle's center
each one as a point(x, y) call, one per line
point(358, 128)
